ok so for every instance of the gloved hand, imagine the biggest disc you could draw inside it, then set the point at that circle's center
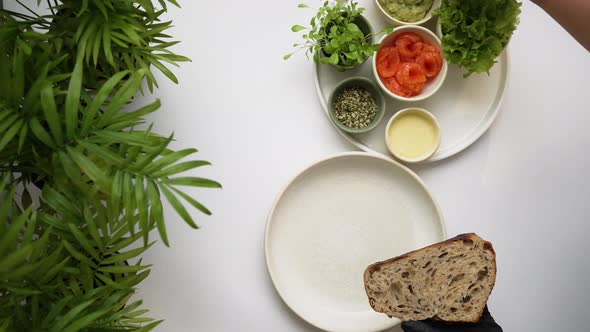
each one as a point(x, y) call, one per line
point(486, 324)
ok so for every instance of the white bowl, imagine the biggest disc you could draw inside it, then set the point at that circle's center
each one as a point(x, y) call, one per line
point(438, 29)
point(433, 84)
point(428, 153)
point(396, 22)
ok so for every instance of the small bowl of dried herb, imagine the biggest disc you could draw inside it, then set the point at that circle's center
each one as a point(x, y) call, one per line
point(356, 105)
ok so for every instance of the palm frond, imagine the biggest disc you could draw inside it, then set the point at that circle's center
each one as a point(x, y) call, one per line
point(79, 182)
point(66, 280)
point(111, 35)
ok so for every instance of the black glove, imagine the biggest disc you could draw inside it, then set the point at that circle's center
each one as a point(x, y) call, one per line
point(486, 324)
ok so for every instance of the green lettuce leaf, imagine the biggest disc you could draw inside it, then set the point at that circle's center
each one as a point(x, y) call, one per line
point(475, 32)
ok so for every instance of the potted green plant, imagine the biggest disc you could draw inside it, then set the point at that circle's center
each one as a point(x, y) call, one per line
point(81, 180)
point(338, 35)
point(110, 35)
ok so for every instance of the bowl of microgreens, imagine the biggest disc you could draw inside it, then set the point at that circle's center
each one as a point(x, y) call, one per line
point(356, 105)
point(338, 35)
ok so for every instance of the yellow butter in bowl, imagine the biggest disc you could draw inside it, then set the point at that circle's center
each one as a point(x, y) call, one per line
point(412, 135)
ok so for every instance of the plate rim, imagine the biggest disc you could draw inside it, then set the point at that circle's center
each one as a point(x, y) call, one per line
point(281, 193)
point(467, 141)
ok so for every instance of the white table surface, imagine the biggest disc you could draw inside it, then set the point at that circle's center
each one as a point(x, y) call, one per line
point(524, 185)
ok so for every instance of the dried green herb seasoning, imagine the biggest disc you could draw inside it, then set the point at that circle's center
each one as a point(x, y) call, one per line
point(355, 107)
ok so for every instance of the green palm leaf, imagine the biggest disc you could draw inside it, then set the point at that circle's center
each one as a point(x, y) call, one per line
point(180, 209)
point(192, 182)
point(68, 131)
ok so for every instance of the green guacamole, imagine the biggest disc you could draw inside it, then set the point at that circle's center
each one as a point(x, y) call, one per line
point(406, 10)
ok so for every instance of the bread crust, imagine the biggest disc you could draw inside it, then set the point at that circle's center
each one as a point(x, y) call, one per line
point(461, 237)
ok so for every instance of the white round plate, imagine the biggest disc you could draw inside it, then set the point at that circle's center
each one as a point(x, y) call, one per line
point(465, 108)
point(333, 220)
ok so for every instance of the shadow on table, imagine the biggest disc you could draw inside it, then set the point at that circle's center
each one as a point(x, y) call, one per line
point(482, 145)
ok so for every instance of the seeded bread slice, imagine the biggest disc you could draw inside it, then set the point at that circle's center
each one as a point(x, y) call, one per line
point(448, 281)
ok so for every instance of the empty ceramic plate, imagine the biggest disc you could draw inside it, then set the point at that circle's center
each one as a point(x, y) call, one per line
point(333, 220)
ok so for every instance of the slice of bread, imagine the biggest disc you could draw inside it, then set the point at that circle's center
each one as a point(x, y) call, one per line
point(448, 281)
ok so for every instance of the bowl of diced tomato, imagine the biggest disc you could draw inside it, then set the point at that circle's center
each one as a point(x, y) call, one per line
point(409, 65)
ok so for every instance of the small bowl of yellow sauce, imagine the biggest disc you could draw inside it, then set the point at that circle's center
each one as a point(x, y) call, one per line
point(412, 135)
